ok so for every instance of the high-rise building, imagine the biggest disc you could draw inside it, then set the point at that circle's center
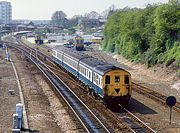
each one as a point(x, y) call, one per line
point(5, 12)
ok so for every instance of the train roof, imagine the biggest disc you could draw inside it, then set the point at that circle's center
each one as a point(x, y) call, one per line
point(95, 64)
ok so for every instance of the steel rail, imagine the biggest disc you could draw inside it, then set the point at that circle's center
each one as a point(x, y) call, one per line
point(154, 95)
point(137, 125)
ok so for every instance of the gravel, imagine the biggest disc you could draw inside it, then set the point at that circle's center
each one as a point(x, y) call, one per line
point(7, 102)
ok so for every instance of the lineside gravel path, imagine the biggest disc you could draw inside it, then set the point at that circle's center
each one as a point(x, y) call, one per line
point(7, 102)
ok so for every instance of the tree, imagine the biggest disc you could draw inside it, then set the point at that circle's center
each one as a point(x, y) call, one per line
point(167, 22)
point(92, 15)
point(150, 35)
point(59, 18)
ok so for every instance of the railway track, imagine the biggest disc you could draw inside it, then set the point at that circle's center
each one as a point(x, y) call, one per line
point(154, 95)
point(86, 117)
point(122, 126)
point(133, 123)
point(97, 55)
point(137, 125)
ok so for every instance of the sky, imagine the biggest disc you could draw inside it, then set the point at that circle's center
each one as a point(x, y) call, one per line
point(43, 9)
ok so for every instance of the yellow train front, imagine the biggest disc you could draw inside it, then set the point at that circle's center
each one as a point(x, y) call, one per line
point(117, 87)
point(79, 43)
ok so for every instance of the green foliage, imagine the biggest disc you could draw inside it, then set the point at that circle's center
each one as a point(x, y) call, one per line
point(149, 35)
point(59, 18)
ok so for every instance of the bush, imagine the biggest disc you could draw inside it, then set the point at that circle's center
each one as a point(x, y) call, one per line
point(149, 35)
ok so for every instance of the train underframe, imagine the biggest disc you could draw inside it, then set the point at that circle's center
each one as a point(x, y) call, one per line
point(114, 101)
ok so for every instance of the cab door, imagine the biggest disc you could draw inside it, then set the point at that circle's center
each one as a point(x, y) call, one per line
point(107, 83)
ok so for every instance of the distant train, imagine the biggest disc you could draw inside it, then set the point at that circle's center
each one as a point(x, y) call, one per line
point(107, 81)
point(79, 43)
point(96, 40)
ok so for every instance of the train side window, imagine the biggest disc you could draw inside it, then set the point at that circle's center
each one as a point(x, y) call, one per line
point(54, 53)
point(89, 75)
point(107, 79)
point(117, 79)
point(80, 68)
point(97, 79)
point(94, 77)
point(87, 72)
point(126, 79)
point(99, 83)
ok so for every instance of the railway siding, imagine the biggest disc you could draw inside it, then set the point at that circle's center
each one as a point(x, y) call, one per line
point(154, 95)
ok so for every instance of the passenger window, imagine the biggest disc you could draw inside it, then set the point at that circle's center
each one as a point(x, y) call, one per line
point(107, 80)
point(126, 79)
point(99, 81)
point(93, 76)
point(117, 79)
point(96, 77)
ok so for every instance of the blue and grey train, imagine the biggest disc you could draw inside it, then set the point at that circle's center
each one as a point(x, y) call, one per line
point(111, 83)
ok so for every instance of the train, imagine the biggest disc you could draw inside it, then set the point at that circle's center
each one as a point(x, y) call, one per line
point(96, 40)
point(79, 43)
point(110, 83)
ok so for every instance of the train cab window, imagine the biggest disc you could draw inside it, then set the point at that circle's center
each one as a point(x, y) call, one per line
point(107, 79)
point(126, 79)
point(117, 79)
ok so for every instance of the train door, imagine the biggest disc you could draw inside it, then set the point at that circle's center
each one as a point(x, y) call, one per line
point(107, 85)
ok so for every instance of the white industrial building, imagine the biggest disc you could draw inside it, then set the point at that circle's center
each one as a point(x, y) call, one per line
point(5, 12)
